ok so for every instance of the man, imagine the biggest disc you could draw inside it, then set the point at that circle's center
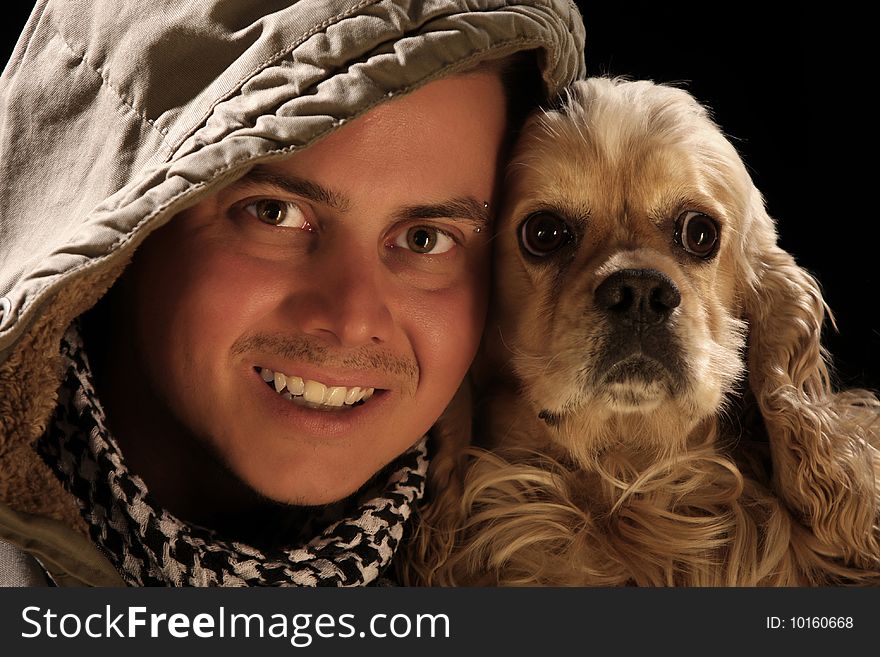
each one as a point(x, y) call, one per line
point(305, 197)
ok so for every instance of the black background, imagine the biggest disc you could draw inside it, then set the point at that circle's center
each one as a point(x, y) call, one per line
point(790, 88)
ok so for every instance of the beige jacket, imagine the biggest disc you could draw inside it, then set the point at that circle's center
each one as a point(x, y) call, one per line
point(116, 116)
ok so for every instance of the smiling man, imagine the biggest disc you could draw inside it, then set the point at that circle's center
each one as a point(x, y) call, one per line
point(244, 271)
point(302, 327)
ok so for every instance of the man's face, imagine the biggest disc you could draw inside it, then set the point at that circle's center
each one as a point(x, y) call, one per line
point(357, 265)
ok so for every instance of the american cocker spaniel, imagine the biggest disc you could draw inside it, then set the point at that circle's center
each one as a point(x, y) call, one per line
point(652, 395)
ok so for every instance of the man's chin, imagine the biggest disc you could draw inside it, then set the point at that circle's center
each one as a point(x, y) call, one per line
point(305, 489)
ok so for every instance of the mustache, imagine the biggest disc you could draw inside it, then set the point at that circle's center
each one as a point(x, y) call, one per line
point(312, 351)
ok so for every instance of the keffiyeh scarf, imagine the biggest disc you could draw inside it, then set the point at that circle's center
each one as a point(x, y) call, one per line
point(151, 547)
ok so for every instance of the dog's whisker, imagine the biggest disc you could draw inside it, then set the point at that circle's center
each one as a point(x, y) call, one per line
point(517, 353)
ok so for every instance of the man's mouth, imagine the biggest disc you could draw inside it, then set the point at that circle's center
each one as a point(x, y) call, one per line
point(314, 394)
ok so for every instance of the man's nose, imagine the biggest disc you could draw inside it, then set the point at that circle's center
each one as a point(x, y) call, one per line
point(347, 300)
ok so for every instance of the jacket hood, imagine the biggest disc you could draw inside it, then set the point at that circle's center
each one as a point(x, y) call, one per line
point(116, 116)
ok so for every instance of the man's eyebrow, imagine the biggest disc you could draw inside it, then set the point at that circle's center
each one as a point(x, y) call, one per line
point(465, 208)
point(308, 189)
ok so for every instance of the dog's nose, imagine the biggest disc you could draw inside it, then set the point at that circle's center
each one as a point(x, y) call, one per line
point(643, 296)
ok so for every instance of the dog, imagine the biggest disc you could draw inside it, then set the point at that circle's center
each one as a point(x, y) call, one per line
point(652, 399)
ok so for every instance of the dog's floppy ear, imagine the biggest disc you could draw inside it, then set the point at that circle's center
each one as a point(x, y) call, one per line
point(824, 465)
point(785, 311)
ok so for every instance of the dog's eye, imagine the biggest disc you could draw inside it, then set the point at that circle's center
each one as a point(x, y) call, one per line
point(542, 233)
point(697, 233)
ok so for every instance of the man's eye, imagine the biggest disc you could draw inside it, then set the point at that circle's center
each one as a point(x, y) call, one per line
point(425, 239)
point(278, 213)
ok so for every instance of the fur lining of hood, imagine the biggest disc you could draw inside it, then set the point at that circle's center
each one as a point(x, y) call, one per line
point(29, 379)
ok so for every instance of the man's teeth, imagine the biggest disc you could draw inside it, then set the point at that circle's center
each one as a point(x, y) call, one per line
point(314, 392)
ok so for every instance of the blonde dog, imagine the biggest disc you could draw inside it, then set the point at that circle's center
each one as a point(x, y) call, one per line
point(658, 407)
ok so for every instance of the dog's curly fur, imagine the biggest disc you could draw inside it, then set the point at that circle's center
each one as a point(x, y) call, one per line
point(700, 445)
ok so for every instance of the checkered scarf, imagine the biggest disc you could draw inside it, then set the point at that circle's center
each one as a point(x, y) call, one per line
point(151, 547)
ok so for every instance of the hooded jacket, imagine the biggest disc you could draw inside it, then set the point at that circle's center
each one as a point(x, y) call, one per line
point(115, 117)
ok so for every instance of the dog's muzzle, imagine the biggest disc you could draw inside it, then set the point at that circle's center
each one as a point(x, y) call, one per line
point(641, 344)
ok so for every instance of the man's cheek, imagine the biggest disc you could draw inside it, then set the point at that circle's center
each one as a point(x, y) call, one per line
point(450, 334)
point(225, 293)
